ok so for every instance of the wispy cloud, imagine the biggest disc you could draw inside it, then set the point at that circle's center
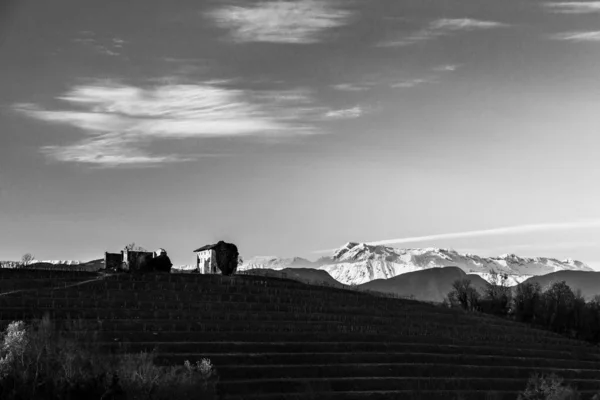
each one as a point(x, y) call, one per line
point(444, 27)
point(348, 113)
point(574, 7)
point(447, 68)
point(290, 21)
point(409, 83)
point(123, 120)
point(535, 247)
point(532, 228)
point(350, 87)
point(591, 36)
point(108, 150)
point(107, 46)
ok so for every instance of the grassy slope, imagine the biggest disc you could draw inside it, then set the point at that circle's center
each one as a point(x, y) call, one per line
point(273, 338)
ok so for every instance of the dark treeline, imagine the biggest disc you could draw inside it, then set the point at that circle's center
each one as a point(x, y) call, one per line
point(557, 307)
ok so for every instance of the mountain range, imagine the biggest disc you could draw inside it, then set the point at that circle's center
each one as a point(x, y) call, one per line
point(92, 265)
point(425, 274)
point(359, 263)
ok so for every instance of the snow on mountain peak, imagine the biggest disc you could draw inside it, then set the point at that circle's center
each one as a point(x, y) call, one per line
point(357, 263)
point(56, 262)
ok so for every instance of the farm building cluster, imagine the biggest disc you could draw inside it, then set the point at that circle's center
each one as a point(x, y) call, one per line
point(218, 258)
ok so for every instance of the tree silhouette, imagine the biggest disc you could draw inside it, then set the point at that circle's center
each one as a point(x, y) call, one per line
point(133, 247)
point(27, 258)
point(526, 301)
point(497, 294)
point(464, 294)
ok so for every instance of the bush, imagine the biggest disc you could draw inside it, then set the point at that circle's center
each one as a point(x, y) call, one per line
point(550, 387)
point(43, 362)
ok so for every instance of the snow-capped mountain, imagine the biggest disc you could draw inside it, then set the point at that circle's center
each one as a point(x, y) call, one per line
point(272, 262)
point(357, 263)
point(10, 264)
point(56, 262)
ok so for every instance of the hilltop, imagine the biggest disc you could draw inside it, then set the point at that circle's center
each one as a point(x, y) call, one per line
point(272, 338)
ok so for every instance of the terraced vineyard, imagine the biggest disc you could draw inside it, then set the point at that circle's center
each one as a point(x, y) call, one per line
point(273, 338)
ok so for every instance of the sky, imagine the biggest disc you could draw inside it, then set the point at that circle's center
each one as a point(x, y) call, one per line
point(288, 127)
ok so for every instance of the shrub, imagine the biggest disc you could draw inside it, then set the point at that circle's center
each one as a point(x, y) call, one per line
point(548, 387)
point(43, 362)
point(13, 348)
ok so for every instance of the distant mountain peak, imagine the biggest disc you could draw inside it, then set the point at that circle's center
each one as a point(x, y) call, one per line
point(357, 263)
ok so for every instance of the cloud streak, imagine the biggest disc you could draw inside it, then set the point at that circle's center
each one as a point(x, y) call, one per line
point(348, 113)
point(410, 83)
point(447, 68)
point(291, 21)
point(444, 27)
point(590, 36)
point(536, 247)
point(121, 121)
point(575, 7)
point(531, 228)
point(349, 87)
point(109, 47)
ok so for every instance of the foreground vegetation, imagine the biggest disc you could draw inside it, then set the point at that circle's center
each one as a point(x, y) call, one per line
point(39, 361)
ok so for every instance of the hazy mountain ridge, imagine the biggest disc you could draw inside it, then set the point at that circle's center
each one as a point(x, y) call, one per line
point(431, 284)
point(586, 281)
point(358, 263)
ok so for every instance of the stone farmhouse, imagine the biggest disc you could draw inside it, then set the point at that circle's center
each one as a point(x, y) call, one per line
point(218, 258)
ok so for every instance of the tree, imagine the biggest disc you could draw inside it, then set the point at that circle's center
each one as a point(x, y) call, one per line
point(227, 257)
point(557, 307)
point(27, 258)
point(591, 330)
point(497, 295)
point(579, 317)
point(133, 247)
point(464, 294)
point(526, 301)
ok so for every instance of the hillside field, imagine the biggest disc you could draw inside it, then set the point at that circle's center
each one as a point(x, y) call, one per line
point(272, 338)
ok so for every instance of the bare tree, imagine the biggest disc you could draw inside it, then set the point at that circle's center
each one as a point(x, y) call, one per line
point(497, 294)
point(133, 247)
point(464, 294)
point(27, 258)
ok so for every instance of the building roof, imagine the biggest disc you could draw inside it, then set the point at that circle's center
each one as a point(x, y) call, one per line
point(212, 246)
point(207, 247)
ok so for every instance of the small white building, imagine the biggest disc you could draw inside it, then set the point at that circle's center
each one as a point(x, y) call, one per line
point(206, 260)
point(220, 258)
